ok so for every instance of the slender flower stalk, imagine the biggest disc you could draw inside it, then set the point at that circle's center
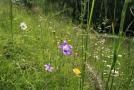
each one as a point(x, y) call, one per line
point(86, 39)
point(11, 25)
point(11, 18)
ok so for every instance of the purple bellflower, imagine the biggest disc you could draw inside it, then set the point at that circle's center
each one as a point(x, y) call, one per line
point(66, 48)
point(48, 67)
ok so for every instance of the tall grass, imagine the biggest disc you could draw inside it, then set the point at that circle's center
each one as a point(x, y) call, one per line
point(38, 45)
point(117, 43)
point(11, 22)
point(86, 37)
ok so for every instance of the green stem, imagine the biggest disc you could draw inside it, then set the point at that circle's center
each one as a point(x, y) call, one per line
point(11, 25)
point(105, 5)
point(117, 42)
point(86, 40)
point(11, 19)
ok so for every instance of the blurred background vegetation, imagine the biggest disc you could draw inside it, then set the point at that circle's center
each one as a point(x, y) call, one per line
point(105, 12)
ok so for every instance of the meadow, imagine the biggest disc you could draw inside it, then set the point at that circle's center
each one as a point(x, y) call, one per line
point(41, 51)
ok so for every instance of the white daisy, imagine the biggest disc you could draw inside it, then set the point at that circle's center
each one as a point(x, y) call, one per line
point(23, 26)
point(109, 66)
point(119, 55)
point(115, 73)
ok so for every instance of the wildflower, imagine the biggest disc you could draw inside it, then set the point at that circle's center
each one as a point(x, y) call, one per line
point(118, 63)
point(96, 57)
point(109, 66)
point(50, 27)
point(53, 32)
point(103, 41)
point(95, 44)
point(108, 57)
point(104, 61)
point(39, 26)
point(23, 26)
point(77, 54)
point(76, 71)
point(104, 73)
point(66, 48)
point(13, 1)
point(115, 73)
point(119, 55)
point(48, 67)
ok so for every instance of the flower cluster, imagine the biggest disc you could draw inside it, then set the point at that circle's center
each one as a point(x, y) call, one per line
point(66, 50)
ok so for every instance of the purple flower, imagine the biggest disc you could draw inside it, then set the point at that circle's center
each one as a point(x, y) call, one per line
point(48, 67)
point(66, 48)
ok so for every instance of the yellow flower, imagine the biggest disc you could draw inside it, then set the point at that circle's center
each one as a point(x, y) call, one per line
point(76, 71)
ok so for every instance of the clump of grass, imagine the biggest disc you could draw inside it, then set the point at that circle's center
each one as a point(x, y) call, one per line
point(85, 39)
point(117, 43)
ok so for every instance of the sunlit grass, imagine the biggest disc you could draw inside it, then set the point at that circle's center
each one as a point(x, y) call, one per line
point(22, 67)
